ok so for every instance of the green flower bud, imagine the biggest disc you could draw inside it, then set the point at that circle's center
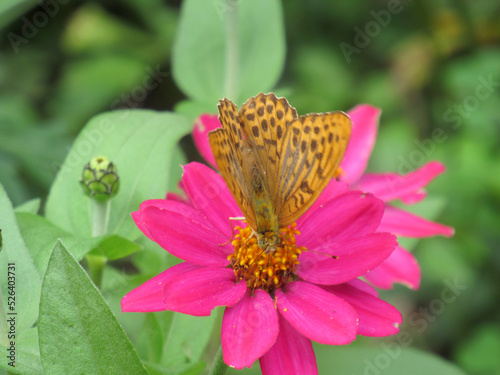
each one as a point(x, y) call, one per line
point(100, 179)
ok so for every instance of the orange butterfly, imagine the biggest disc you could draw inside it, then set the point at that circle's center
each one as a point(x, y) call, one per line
point(275, 163)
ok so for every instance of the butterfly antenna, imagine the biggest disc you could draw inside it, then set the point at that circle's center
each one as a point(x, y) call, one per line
point(314, 251)
point(319, 252)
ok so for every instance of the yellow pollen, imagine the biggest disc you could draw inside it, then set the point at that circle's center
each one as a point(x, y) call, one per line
point(339, 172)
point(261, 269)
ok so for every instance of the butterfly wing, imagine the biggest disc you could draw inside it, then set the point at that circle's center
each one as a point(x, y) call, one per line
point(264, 119)
point(297, 157)
point(312, 150)
point(226, 144)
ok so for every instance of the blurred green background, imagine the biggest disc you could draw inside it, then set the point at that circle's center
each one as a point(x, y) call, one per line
point(432, 66)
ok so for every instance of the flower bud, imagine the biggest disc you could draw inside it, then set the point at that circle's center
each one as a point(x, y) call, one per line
point(100, 179)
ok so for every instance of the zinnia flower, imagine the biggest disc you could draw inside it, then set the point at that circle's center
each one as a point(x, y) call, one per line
point(401, 266)
point(276, 303)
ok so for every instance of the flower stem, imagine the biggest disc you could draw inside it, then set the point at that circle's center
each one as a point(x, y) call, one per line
point(95, 264)
point(100, 218)
point(218, 367)
point(231, 77)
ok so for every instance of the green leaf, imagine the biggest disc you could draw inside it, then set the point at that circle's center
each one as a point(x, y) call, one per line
point(175, 341)
point(36, 149)
point(140, 143)
point(27, 292)
point(153, 259)
point(32, 206)
point(96, 84)
point(387, 359)
point(92, 30)
point(478, 354)
point(78, 333)
point(195, 369)
point(40, 236)
point(27, 354)
point(219, 52)
point(193, 109)
point(312, 66)
point(14, 251)
point(12, 182)
point(178, 160)
point(116, 247)
point(152, 336)
point(186, 339)
point(12, 9)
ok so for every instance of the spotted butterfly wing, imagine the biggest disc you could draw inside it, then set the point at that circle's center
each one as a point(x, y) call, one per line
point(294, 157)
point(264, 120)
point(298, 155)
point(312, 150)
point(227, 145)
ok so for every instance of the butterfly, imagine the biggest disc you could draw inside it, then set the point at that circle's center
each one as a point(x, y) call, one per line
point(274, 162)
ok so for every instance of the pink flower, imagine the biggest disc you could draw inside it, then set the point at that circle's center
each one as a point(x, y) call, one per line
point(308, 289)
point(401, 266)
point(203, 125)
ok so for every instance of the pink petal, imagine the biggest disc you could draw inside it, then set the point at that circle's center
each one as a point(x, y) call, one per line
point(184, 232)
point(376, 317)
point(317, 314)
point(138, 217)
point(406, 224)
point(389, 186)
point(198, 292)
point(139, 221)
point(203, 125)
point(401, 267)
point(210, 195)
point(249, 329)
point(356, 256)
point(364, 131)
point(177, 197)
point(413, 198)
point(365, 287)
point(291, 354)
point(149, 296)
point(349, 215)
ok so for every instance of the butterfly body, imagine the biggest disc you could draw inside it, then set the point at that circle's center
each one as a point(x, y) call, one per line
point(274, 162)
point(267, 226)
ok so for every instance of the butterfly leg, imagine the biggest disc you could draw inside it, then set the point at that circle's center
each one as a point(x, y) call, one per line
point(254, 233)
point(231, 219)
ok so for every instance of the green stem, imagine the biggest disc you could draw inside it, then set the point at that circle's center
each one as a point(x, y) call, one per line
point(218, 367)
point(96, 265)
point(100, 218)
point(231, 68)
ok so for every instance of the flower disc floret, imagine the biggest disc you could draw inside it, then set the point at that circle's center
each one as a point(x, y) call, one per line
point(261, 269)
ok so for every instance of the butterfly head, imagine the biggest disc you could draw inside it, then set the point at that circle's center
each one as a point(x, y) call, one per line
point(268, 241)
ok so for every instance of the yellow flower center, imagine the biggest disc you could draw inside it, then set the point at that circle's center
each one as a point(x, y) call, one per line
point(262, 270)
